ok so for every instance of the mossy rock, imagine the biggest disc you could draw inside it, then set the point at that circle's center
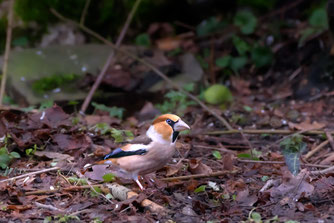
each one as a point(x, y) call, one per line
point(28, 66)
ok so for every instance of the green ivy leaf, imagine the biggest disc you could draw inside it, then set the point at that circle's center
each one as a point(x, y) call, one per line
point(262, 56)
point(238, 62)
point(109, 196)
point(217, 155)
point(108, 177)
point(200, 189)
point(247, 108)
point(264, 178)
point(224, 61)
point(246, 21)
point(241, 45)
point(292, 150)
point(256, 217)
point(143, 40)
point(46, 104)
point(209, 26)
point(318, 18)
point(189, 87)
point(113, 111)
point(117, 135)
point(15, 155)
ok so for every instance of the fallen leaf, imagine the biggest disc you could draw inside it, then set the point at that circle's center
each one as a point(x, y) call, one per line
point(70, 142)
point(95, 119)
point(243, 198)
point(293, 187)
point(307, 125)
point(197, 167)
point(54, 155)
point(52, 117)
point(168, 43)
point(173, 169)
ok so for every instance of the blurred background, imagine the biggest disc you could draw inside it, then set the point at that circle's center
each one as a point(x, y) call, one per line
point(272, 49)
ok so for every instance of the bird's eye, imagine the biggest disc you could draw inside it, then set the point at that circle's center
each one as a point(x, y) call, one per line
point(169, 121)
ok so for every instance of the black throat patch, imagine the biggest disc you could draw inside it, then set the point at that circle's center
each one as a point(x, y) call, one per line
point(175, 135)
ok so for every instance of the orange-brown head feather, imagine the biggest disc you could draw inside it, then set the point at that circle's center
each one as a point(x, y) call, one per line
point(162, 127)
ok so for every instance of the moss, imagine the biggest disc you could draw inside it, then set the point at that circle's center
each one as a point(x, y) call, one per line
point(46, 84)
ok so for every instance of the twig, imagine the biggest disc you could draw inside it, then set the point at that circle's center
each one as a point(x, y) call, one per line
point(214, 174)
point(316, 149)
point(71, 188)
point(246, 139)
point(321, 172)
point(110, 59)
point(330, 139)
point(7, 50)
point(280, 162)
point(48, 206)
point(267, 131)
point(30, 174)
point(84, 12)
point(221, 149)
point(147, 64)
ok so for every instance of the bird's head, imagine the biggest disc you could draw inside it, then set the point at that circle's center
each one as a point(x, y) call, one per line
point(167, 127)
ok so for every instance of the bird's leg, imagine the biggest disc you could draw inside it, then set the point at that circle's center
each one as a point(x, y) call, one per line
point(135, 178)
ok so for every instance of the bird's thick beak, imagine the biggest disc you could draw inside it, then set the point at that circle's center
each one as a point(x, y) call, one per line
point(180, 126)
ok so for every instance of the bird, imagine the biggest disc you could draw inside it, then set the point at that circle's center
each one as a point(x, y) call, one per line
point(147, 153)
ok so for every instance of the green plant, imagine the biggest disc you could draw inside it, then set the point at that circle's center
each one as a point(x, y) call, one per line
point(6, 157)
point(292, 149)
point(261, 56)
point(246, 21)
point(49, 83)
point(317, 23)
point(176, 101)
point(143, 40)
point(118, 135)
point(200, 189)
point(108, 177)
point(31, 151)
point(77, 181)
point(253, 155)
point(46, 104)
point(209, 26)
point(217, 155)
point(113, 111)
point(66, 218)
point(255, 217)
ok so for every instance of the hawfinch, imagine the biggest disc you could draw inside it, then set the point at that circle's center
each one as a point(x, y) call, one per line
point(147, 153)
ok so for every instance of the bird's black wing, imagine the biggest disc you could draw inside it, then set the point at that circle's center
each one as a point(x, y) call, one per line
point(117, 153)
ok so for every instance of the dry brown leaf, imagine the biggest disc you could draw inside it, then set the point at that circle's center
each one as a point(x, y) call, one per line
point(306, 125)
point(173, 169)
point(54, 155)
point(293, 187)
point(243, 198)
point(197, 167)
point(168, 43)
